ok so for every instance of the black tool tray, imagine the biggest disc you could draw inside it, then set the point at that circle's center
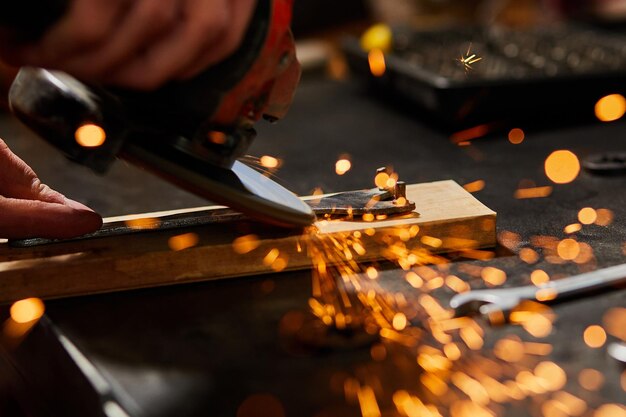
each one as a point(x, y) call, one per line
point(540, 72)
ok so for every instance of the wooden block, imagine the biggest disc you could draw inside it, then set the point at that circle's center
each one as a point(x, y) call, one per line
point(449, 219)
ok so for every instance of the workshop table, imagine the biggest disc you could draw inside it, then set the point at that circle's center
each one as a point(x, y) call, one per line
point(204, 349)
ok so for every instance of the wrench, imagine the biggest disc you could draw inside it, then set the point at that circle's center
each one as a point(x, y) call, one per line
point(487, 302)
point(617, 350)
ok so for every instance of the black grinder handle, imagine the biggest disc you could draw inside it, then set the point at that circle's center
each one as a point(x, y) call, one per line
point(27, 20)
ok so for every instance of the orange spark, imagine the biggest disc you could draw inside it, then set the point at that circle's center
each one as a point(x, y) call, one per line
point(605, 217)
point(475, 186)
point(470, 134)
point(184, 241)
point(342, 166)
point(568, 249)
point(587, 215)
point(90, 135)
point(591, 379)
point(534, 192)
point(594, 336)
point(143, 223)
point(27, 310)
point(376, 60)
point(246, 244)
point(572, 228)
point(269, 162)
point(516, 136)
point(539, 277)
point(528, 255)
point(610, 108)
point(493, 276)
point(562, 167)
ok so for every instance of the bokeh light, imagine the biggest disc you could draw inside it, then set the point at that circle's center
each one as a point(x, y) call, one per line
point(90, 135)
point(562, 167)
point(516, 136)
point(27, 310)
point(610, 108)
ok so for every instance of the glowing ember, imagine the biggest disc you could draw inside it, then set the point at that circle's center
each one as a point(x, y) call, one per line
point(610, 108)
point(469, 58)
point(342, 166)
point(271, 256)
point(528, 255)
point(509, 350)
point(143, 223)
point(378, 352)
point(475, 186)
point(562, 167)
point(415, 280)
point(534, 192)
point(551, 376)
point(539, 277)
point(246, 244)
point(27, 310)
point(371, 272)
point(381, 179)
point(568, 249)
point(516, 136)
point(594, 336)
point(610, 410)
point(463, 137)
point(536, 324)
point(433, 242)
point(399, 321)
point(184, 241)
point(368, 403)
point(493, 276)
point(378, 36)
point(376, 59)
point(90, 135)
point(572, 228)
point(587, 215)
point(591, 379)
point(605, 217)
point(546, 294)
point(269, 162)
point(368, 217)
point(614, 321)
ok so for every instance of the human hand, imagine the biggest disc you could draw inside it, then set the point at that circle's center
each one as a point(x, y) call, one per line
point(29, 208)
point(139, 44)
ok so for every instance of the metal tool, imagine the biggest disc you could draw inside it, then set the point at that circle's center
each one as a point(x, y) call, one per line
point(608, 163)
point(617, 350)
point(503, 300)
point(189, 132)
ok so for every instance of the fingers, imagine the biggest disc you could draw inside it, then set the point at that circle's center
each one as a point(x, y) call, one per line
point(208, 32)
point(142, 25)
point(18, 180)
point(139, 44)
point(86, 24)
point(201, 21)
point(29, 208)
point(31, 218)
point(213, 52)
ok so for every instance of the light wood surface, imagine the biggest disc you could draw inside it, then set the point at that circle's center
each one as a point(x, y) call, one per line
point(449, 219)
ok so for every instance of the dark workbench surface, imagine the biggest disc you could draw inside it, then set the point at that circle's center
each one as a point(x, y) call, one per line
point(202, 349)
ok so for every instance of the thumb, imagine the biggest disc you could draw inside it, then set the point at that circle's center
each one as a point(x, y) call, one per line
point(34, 218)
